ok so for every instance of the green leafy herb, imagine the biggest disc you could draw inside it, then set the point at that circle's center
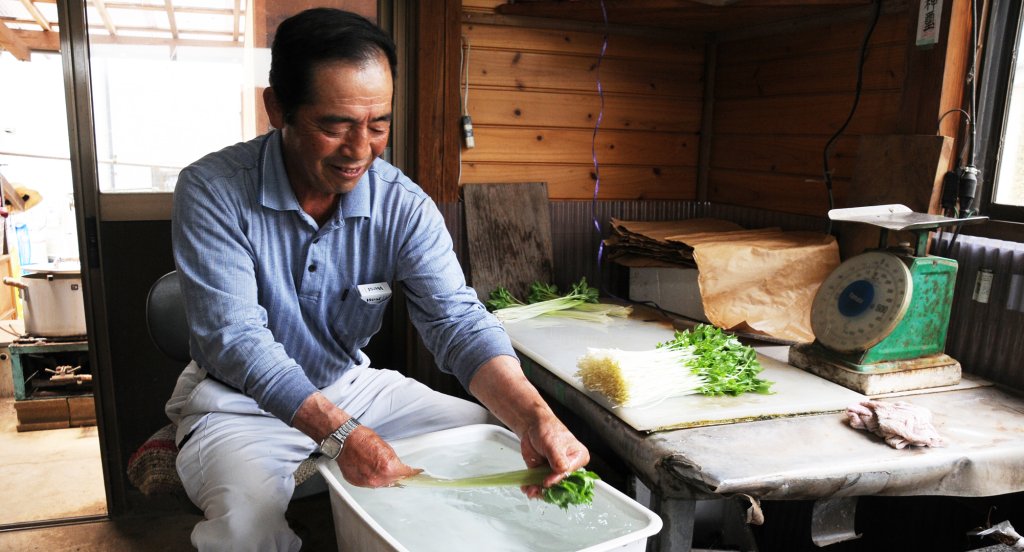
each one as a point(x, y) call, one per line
point(539, 291)
point(577, 488)
point(580, 302)
point(727, 366)
point(703, 360)
point(502, 298)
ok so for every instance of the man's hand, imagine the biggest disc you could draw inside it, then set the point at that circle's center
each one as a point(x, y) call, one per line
point(502, 387)
point(551, 443)
point(366, 460)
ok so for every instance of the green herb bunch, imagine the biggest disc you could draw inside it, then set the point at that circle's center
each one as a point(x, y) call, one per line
point(544, 300)
point(727, 366)
point(577, 488)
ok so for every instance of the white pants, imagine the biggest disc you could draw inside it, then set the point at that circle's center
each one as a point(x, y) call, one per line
point(237, 465)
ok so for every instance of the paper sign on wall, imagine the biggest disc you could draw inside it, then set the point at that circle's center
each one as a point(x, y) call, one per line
point(928, 20)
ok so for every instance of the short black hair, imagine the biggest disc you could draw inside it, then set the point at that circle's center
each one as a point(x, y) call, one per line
point(319, 35)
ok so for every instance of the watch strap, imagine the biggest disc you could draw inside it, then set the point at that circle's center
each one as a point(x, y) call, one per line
point(338, 438)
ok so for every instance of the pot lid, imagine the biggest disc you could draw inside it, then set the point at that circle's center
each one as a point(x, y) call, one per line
point(56, 267)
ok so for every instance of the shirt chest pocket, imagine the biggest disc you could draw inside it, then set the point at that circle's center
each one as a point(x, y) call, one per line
point(357, 319)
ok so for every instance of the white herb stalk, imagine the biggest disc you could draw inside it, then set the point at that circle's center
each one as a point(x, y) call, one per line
point(638, 378)
point(524, 312)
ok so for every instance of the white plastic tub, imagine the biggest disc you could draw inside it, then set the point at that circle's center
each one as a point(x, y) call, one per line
point(430, 519)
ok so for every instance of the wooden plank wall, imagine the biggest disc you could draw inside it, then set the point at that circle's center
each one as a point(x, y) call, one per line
point(780, 97)
point(534, 103)
point(776, 97)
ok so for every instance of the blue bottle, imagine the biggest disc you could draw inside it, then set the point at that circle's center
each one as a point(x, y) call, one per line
point(24, 243)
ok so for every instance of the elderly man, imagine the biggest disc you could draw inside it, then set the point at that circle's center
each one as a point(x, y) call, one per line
point(287, 247)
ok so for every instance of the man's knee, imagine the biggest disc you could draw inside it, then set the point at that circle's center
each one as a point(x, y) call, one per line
point(250, 520)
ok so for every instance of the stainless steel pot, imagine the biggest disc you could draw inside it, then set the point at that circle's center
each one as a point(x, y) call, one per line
point(54, 303)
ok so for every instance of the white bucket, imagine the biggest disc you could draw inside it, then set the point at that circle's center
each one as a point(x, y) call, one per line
point(392, 519)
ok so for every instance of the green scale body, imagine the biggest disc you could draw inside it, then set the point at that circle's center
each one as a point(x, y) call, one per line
point(922, 329)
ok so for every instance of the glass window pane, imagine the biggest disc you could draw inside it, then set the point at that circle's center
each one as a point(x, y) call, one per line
point(169, 88)
point(35, 157)
point(1008, 187)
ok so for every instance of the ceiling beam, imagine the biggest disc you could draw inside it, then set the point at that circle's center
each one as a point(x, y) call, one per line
point(170, 18)
point(39, 41)
point(10, 42)
point(36, 14)
point(101, 7)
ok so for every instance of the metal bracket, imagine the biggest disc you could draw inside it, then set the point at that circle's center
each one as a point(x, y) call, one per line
point(832, 520)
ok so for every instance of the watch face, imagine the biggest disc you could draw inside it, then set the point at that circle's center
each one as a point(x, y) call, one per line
point(330, 448)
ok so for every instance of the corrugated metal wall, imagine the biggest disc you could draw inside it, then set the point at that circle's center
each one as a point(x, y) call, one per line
point(987, 334)
point(575, 239)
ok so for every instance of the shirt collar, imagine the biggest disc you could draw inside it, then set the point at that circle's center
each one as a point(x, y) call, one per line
point(277, 191)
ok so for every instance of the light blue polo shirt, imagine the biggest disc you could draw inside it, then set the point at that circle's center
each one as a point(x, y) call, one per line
point(272, 298)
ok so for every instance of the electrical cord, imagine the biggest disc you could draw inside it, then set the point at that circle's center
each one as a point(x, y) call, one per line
point(967, 174)
point(853, 108)
point(464, 68)
point(593, 151)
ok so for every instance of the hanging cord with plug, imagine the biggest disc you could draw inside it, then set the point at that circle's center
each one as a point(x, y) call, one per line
point(951, 180)
point(465, 121)
point(853, 109)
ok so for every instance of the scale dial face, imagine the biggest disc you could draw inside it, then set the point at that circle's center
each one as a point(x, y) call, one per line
point(861, 302)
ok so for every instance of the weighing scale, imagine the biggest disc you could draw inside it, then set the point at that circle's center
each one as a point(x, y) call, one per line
point(880, 319)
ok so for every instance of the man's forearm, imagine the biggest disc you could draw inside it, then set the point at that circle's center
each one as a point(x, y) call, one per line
point(318, 417)
point(501, 386)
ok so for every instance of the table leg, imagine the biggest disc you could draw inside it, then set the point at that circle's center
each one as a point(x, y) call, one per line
point(677, 515)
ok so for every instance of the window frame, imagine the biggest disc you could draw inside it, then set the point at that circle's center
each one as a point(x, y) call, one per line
point(1001, 48)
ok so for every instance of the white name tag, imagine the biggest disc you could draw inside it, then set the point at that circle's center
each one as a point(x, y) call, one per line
point(374, 293)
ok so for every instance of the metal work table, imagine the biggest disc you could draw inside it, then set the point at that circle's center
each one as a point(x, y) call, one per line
point(813, 457)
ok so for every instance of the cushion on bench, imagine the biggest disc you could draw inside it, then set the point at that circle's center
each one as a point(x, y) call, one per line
point(151, 468)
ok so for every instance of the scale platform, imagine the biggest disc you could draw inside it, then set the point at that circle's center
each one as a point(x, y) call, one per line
point(884, 377)
point(880, 319)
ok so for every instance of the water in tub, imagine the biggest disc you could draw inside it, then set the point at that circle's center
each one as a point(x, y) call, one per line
point(460, 520)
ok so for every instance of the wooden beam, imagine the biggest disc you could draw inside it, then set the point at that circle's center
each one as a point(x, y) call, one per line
point(169, 7)
point(34, 11)
point(236, 16)
point(101, 8)
point(935, 75)
point(39, 41)
point(10, 42)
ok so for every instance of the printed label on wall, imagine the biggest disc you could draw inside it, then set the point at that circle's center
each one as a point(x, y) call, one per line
point(928, 21)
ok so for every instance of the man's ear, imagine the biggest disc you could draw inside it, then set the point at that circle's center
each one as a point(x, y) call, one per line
point(274, 110)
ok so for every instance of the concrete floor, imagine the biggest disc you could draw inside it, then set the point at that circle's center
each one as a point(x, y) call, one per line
point(48, 474)
point(52, 498)
point(167, 532)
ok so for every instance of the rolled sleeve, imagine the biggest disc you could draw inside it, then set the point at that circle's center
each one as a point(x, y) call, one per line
point(454, 325)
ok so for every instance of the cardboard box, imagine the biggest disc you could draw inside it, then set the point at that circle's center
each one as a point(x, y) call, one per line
point(673, 289)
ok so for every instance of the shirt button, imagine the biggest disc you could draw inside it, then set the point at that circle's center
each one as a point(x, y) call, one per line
point(312, 268)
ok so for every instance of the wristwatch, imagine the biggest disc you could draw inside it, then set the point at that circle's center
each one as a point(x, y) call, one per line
point(331, 445)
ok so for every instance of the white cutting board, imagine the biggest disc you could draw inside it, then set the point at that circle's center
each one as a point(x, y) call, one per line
point(557, 343)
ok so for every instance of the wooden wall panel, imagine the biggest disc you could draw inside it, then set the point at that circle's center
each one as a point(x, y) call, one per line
point(581, 43)
point(798, 155)
point(788, 193)
point(554, 145)
point(578, 110)
point(779, 98)
point(533, 97)
point(558, 71)
point(818, 114)
point(885, 69)
point(578, 181)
